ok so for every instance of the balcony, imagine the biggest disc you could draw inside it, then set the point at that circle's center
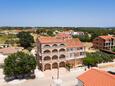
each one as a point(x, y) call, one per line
point(82, 56)
point(46, 46)
point(46, 54)
point(47, 59)
point(55, 51)
point(62, 52)
point(62, 57)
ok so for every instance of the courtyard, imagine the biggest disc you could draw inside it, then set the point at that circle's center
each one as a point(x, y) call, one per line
point(45, 79)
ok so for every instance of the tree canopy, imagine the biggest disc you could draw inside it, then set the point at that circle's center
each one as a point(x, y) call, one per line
point(19, 63)
point(93, 59)
point(113, 49)
point(83, 38)
point(25, 39)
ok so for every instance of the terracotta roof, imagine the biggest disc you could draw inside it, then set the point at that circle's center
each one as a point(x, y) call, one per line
point(63, 34)
point(96, 77)
point(69, 42)
point(73, 43)
point(106, 37)
point(10, 50)
point(44, 39)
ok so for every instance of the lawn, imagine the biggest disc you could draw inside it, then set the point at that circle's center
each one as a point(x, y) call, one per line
point(4, 37)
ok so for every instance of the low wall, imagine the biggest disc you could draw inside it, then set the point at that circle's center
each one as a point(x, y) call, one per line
point(104, 65)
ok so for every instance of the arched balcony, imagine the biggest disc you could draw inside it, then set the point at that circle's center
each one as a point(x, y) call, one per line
point(47, 52)
point(62, 45)
point(62, 64)
point(62, 56)
point(54, 45)
point(55, 51)
point(55, 65)
point(55, 57)
point(62, 50)
point(47, 58)
point(47, 67)
point(46, 46)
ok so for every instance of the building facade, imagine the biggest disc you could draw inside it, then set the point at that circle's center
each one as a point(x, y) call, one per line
point(54, 52)
point(104, 42)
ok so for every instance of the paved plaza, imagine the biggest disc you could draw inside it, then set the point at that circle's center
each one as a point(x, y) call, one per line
point(68, 78)
point(45, 78)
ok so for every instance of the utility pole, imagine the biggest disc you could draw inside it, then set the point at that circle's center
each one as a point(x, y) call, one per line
point(58, 72)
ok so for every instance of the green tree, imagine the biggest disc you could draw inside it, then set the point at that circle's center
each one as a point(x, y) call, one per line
point(83, 38)
point(94, 35)
point(41, 31)
point(25, 39)
point(113, 49)
point(93, 59)
point(50, 33)
point(19, 63)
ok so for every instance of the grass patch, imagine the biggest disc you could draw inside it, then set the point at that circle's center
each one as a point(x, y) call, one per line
point(4, 37)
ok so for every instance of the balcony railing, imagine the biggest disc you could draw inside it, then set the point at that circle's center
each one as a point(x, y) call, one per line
point(54, 60)
point(46, 54)
point(82, 56)
point(62, 52)
point(62, 59)
point(53, 47)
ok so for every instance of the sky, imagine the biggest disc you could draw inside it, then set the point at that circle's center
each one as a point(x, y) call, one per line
point(70, 13)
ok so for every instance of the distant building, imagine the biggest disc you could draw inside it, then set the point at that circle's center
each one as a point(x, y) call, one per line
point(4, 52)
point(96, 77)
point(4, 45)
point(10, 50)
point(63, 36)
point(54, 52)
point(78, 33)
point(104, 42)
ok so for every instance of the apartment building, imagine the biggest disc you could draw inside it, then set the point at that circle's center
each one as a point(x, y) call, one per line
point(104, 42)
point(54, 52)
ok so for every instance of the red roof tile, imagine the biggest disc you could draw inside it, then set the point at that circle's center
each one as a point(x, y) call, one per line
point(10, 50)
point(62, 34)
point(106, 37)
point(44, 39)
point(73, 43)
point(69, 42)
point(96, 77)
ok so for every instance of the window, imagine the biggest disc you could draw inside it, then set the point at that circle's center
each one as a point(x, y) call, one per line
point(70, 54)
point(81, 48)
point(75, 54)
point(81, 53)
point(71, 49)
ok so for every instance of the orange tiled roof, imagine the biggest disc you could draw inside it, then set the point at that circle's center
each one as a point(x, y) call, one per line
point(44, 39)
point(106, 37)
point(69, 42)
point(10, 50)
point(96, 77)
point(73, 43)
point(62, 34)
